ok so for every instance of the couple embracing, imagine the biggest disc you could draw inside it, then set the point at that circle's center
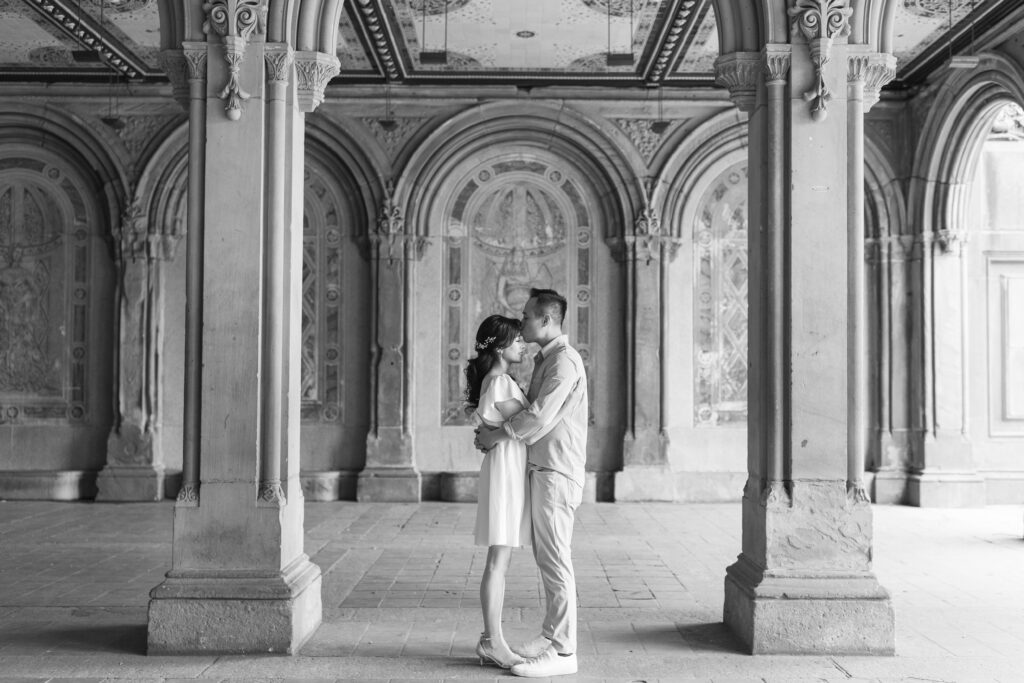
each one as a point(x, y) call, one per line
point(531, 479)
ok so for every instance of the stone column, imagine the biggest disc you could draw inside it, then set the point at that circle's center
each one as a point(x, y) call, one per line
point(893, 436)
point(943, 473)
point(239, 580)
point(135, 461)
point(646, 474)
point(390, 473)
point(803, 581)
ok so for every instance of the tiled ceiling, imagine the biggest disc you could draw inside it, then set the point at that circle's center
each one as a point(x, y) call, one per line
point(539, 42)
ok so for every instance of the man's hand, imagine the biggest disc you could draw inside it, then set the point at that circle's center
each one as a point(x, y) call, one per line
point(488, 437)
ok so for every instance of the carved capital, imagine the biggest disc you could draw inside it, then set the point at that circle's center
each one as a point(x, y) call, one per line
point(313, 71)
point(175, 67)
point(777, 60)
point(739, 72)
point(647, 248)
point(195, 60)
point(952, 241)
point(393, 249)
point(873, 70)
point(647, 223)
point(278, 57)
point(135, 241)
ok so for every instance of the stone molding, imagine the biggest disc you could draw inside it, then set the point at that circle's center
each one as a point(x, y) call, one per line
point(235, 21)
point(195, 54)
point(313, 71)
point(188, 495)
point(739, 73)
point(874, 70)
point(390, 243)
point(647, 243)
point(819, 22)
point(278, 58)
point(271, 493)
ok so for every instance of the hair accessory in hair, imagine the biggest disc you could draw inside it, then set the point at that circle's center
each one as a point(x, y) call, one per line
point(480, 346)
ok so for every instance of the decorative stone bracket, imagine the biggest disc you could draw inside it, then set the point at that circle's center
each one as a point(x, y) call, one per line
point(819, 21)
point(235, 21)
point(314, 70)
point(390, 244)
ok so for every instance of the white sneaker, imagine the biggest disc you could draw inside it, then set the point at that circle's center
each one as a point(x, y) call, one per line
point(548, 663)
point(532, 648)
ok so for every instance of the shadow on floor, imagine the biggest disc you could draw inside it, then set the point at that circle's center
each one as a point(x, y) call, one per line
point(711, 638)
point(92, 639)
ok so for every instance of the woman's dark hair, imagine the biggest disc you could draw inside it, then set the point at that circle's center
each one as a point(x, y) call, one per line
point(495, 333)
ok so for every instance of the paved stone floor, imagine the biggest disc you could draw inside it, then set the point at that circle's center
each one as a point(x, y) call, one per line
point(400, 596)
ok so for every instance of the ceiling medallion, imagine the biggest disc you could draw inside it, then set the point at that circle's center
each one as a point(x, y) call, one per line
point(525, 34)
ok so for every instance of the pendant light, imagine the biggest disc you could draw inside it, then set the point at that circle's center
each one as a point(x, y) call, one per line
point(968, 61)
point(619, 58)
point(434, 56)
point(661, 125)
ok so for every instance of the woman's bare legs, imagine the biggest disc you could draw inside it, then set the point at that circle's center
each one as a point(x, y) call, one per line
point(492, 597)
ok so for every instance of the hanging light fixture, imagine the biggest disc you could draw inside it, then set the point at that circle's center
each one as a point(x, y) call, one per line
point(434, 56)
point(619, 58)
point(968, 61)
point(111, 119)
point(661, 125)
point(388, 122)
point(88, 54)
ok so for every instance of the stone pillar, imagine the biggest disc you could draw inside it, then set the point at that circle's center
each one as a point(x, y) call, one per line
point(646, 474)
point(803, 581)
point(893, 436)
point(943, 473)
point(390, 473)
point(240, 581)
point(135, 462)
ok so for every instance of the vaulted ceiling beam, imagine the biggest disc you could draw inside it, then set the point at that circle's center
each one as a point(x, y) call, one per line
point(370, 18)
point(90, 35)
point(676, 32)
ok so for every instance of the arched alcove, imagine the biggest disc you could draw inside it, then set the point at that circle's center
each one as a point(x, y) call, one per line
point(514, 200)
point(56, 346)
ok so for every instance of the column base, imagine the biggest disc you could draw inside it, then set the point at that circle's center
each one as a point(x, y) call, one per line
point(887, 487)
point(808, 613)
point(945, 489)
point(388, 485)
point(235, 612)
point(130, 484)
point(645, 483)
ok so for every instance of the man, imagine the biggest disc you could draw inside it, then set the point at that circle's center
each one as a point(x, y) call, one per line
point(554, 429)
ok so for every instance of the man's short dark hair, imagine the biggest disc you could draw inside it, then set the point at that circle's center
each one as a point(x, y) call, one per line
point(551, 303)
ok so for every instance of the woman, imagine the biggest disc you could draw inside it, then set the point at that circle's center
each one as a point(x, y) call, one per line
point(503, 509)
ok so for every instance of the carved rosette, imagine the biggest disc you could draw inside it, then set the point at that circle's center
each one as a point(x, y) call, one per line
point(314, 70)
point(175, 67)
point(820, 21)
point(739, 72)
point(874, 70)
point(234, 21)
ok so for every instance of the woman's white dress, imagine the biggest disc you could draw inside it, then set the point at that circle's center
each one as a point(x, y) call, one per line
point(503, 503)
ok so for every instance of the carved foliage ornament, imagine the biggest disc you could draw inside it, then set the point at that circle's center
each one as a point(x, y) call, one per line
point(739, 72)
point(819, 21)
point(234, 21)
point(390, 243)
point(313, 71)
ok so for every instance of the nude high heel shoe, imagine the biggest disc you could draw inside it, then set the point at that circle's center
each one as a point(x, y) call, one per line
point(487, 653)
